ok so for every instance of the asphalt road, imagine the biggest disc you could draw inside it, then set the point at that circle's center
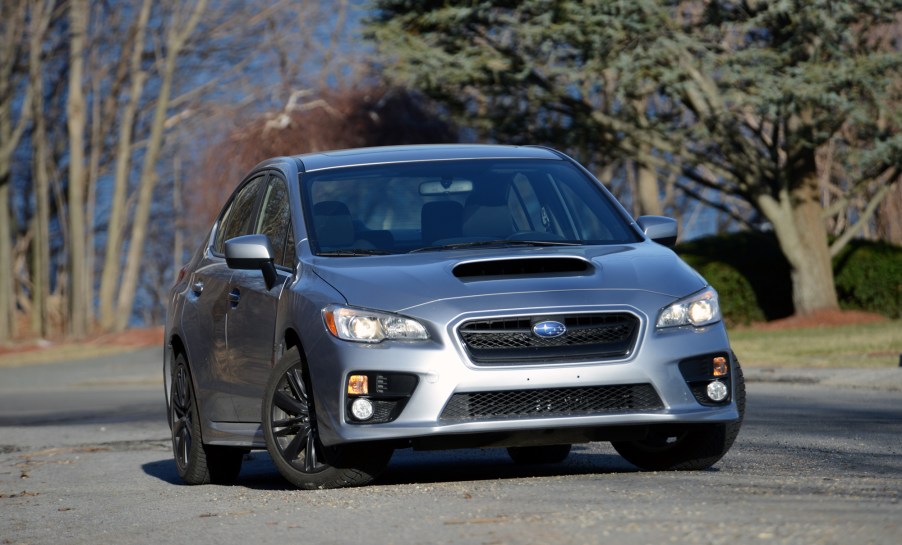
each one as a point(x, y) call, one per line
point(85, 458)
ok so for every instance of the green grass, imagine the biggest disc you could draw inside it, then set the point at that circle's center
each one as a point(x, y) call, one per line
point(863, 345)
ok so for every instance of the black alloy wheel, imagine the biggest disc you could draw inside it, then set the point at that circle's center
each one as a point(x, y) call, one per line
point(292, 437)
point(181, 417)
point(292, 418)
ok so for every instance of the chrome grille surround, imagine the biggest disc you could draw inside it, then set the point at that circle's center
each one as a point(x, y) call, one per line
point(500, 341)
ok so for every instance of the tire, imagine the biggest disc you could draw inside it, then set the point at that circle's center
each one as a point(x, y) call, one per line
point(548, 454)
point(195, 462)
point(292, 437)
point(697, 448)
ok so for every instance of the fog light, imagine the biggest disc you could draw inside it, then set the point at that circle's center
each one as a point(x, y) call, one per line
point(362, 409)
point(717, 391)
point(720, 366)
point(358, 385)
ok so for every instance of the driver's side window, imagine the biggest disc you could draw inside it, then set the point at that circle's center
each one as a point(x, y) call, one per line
point(238, 219)
point(275, 221)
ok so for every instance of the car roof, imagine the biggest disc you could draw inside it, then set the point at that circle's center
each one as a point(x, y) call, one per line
point(431, 152)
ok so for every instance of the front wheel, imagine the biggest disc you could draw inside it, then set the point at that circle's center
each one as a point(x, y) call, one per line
point(292, 437)
point(693, 448)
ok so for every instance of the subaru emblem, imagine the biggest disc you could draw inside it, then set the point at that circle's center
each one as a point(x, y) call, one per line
point(549, 329)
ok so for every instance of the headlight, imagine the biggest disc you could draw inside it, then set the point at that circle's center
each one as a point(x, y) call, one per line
point(353, 324)
point(698, 310)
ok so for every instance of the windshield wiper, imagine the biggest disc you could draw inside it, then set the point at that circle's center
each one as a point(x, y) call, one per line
point(355, 252)
point(496, 243)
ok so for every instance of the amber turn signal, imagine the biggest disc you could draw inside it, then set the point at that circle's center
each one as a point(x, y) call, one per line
point(358, 385)
point(720, 366)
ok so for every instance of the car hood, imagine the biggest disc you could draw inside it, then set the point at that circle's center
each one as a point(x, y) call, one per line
point(399, 282)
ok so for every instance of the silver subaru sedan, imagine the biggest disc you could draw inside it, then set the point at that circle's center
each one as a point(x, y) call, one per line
point(346, 304)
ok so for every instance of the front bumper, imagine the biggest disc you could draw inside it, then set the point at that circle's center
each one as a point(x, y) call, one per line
point(442, 369)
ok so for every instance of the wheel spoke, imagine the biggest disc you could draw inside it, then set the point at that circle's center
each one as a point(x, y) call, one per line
point(181, 439)
point(179, 426)
point(184, 447)
point(177, 413)
point(294, 447)
point(289, 423)
point(182, 390)
point(296, 383)
point(293, 407)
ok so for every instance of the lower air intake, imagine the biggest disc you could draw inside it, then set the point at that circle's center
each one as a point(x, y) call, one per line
point(552, 402)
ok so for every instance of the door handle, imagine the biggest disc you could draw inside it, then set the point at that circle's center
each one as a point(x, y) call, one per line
point(198, 287)
point(235, 297)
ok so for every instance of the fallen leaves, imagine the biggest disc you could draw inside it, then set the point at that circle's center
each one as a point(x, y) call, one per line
point(22, 494)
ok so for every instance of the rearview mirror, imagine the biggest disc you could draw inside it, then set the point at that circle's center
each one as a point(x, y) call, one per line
point(445, 187)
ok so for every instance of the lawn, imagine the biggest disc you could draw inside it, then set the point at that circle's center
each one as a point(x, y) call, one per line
point(857, 345)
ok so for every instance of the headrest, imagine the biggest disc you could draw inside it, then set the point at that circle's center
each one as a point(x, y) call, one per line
point(333, 224)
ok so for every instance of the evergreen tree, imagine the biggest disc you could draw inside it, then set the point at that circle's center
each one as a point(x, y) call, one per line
point(734, 96)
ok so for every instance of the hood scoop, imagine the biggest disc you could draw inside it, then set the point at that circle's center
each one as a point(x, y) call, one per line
point(492, 269)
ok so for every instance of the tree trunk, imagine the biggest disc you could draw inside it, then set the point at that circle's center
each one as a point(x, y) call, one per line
point(109, 280)
point(648, 194)
point(889, 216)
point(76, 113)
point(40, 271)
point(11, 37)
point(7, 295)
point(798, 224)
point(177, 212)
point(175, 41)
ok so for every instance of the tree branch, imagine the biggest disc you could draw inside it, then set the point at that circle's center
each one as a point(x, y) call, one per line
point(865, 217)
point(717, 205)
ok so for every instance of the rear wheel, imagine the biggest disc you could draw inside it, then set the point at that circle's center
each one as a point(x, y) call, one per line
point(292, 436)
point(195, 462)
point(693, 448)
point(547, 454)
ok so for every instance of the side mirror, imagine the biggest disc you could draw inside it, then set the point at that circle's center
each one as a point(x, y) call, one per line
point(660, 229)
point(252, 252)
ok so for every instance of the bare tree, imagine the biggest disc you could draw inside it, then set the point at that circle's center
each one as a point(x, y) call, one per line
point(39, 21)
point(181, 27)
point(77, 121)
point(109, 281)
point(97, 104)
point(12, 34)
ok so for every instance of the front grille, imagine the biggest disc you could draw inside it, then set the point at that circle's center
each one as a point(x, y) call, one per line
point(552, 402)
point(492, 342)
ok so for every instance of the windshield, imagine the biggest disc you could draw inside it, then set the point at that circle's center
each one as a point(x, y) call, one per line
point(437, 205)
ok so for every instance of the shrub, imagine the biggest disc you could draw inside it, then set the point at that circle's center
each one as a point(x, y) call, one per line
point(738, 301)
point(748, 271)
point(869, 277)
point(753, 280)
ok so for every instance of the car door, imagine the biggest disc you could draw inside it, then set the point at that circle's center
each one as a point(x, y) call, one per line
point(253, 305)
point(206, 314)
